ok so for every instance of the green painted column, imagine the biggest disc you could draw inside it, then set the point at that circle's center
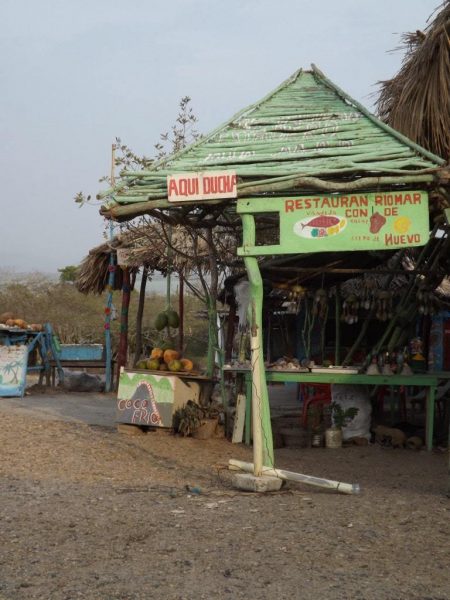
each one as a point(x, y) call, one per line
point(337, 316)
point(262, 428)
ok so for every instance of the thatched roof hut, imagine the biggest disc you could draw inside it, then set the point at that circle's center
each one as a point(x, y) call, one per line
point(147, 245)
point(416, 101)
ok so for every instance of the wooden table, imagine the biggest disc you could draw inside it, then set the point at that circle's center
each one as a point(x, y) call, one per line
point(428, 381)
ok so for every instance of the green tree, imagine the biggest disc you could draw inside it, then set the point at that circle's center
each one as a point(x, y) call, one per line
point(68, 274)
point(181, 134)
point(207, 267)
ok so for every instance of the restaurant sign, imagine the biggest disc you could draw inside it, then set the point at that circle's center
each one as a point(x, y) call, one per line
point(345, 222)
point(207, 185)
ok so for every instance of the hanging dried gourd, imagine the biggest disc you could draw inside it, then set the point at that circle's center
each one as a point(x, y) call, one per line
point(368, 294)
point(320, 303)
point(427, 302)
point(384, 306)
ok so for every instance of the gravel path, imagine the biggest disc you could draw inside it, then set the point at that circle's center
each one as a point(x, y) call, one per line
point(90, 513)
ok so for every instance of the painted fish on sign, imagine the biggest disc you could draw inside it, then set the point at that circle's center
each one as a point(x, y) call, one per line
point(321, 226)
point(207, 185)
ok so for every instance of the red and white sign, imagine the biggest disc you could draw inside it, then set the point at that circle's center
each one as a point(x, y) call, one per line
point(208, 185)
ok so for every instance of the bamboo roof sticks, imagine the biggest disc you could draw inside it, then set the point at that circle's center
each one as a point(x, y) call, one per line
point(305, 135)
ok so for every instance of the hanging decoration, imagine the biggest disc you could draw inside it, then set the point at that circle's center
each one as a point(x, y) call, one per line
point(384, 308)
point(350, 308)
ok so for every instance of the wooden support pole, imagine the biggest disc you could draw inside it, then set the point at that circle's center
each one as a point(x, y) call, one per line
point(108, 306)
point(139, 315)
point(262, 428)
point(123, 339)
point(181, 311)
point(256, 352)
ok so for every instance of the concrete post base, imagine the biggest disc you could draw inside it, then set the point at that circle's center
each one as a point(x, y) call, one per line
point(249, 483)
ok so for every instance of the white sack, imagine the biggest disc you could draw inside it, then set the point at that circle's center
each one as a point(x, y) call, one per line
point(357, 396)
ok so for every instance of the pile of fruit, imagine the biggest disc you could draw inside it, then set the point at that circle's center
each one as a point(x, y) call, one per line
point(168, 318)
point(166, 360)
point(10, 320)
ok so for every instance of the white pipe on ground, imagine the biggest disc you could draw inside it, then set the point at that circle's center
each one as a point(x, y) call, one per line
point(344, 488)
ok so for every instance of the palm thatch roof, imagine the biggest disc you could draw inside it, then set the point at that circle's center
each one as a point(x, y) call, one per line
point(154, 246)
point(94, 270)
point(416, 101)
point(307, 135)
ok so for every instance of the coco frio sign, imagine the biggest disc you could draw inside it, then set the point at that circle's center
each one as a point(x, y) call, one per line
point(340, 222)
point(206, 185)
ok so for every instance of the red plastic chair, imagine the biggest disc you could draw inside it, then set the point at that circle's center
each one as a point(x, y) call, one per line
point(313, 393)
point(383, 392)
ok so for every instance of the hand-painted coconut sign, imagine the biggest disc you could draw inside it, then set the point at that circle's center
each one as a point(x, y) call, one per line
point(147, 399)
point(344, 222)
point(208, 185)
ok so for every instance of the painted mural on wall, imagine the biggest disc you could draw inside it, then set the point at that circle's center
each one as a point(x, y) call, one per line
point(13, 369)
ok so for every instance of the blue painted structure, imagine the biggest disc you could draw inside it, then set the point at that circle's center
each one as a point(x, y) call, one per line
point(44, 342)
point(80, 352)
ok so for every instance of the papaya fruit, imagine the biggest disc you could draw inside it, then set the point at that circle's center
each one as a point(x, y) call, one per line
point(175, 366)
point(186, 364)
point(172, 318)
point(170, 355)
point(20, 323)
point(7, 316)
point(141, 364)
point(157, 353)
point(153, 364)
point(161, 321)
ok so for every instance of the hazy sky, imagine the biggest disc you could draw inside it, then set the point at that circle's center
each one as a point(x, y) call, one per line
point(77, 73)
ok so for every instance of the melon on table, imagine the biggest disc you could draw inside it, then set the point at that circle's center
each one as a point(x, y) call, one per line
point(186, 364)
point(175, 366)
point(153, 364)
point(170, 355)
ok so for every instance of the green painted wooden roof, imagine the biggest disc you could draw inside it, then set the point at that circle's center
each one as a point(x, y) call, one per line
point(305, 135)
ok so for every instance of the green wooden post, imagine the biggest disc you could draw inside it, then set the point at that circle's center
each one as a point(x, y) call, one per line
point(448, 446)
point(337, 316)
point(259, 384)
point(248, 409)
point(429, 425)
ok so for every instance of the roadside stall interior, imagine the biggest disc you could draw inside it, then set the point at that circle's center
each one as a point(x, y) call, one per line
point(383, 312)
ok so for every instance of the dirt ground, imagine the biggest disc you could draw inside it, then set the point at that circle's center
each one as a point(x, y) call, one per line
point(89, 513)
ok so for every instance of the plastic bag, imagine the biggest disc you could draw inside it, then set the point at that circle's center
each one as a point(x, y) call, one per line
point(80, 381)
